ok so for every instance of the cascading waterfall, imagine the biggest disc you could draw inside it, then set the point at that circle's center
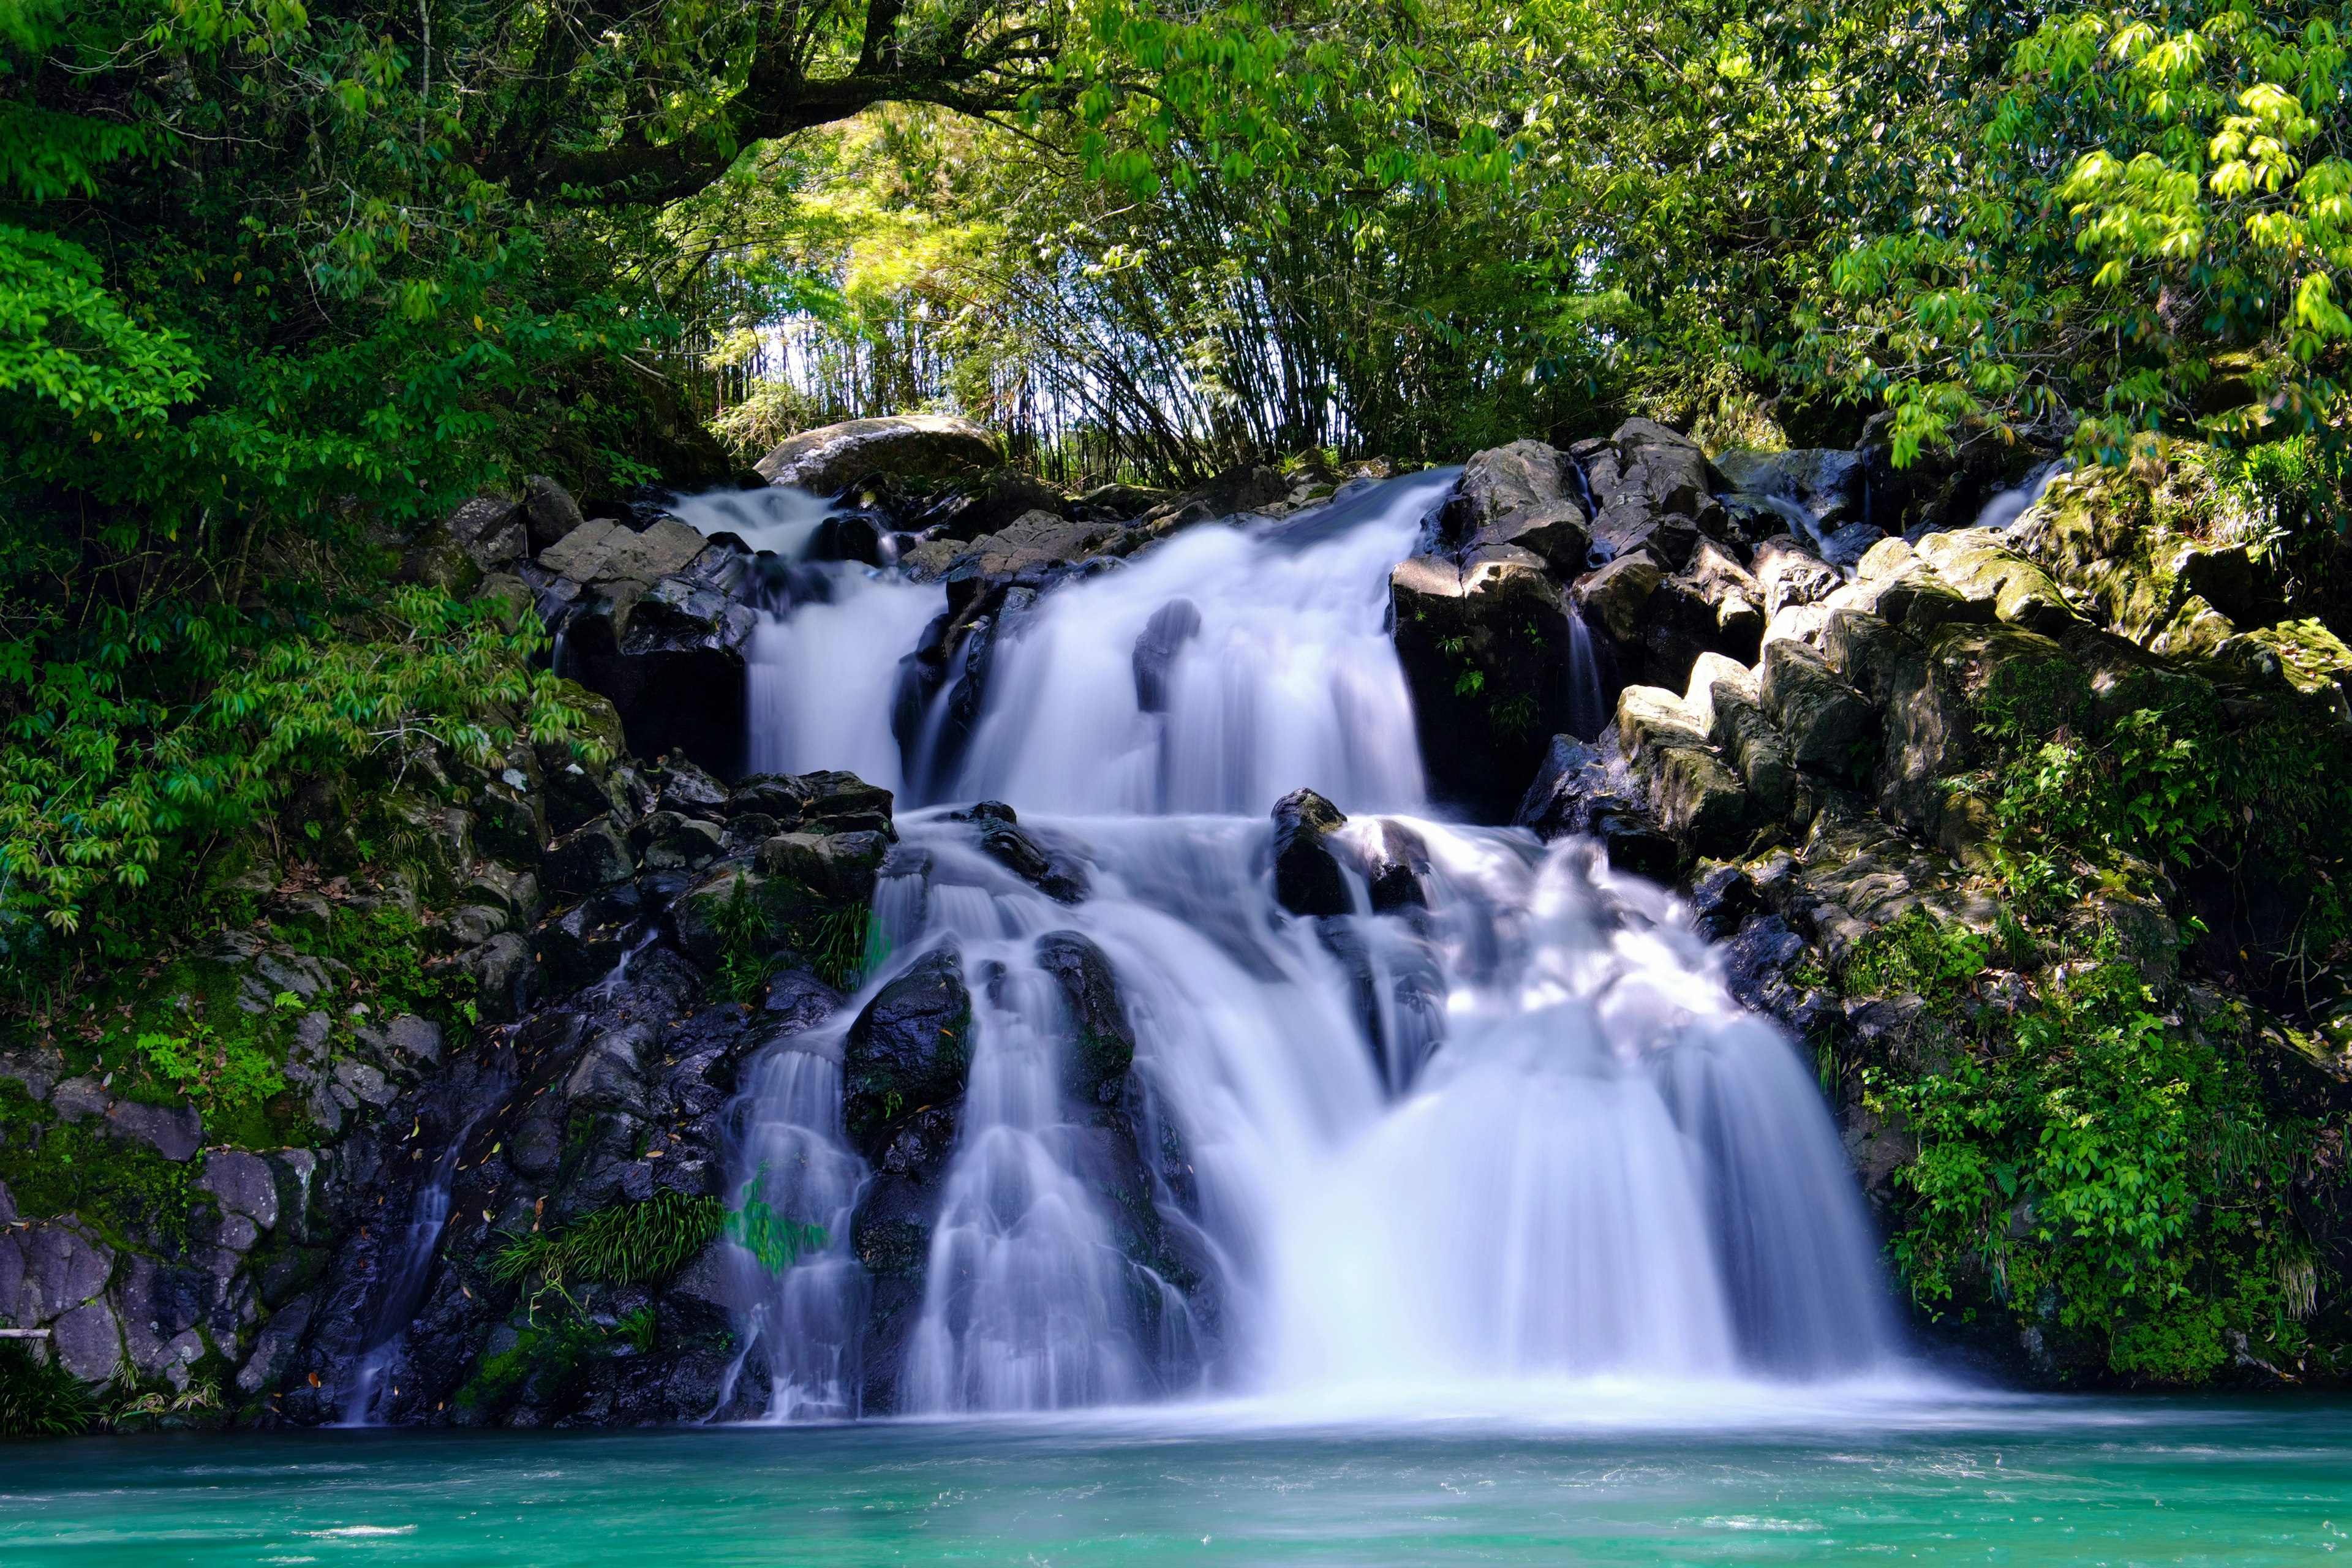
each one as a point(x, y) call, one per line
point(406, 1272)
point(1510, 1134)
point(1215, 673)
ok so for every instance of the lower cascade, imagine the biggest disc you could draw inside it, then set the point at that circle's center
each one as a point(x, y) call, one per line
point(1331, 1107)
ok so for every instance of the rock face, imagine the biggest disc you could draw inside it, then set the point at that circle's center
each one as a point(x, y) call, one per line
point(1308, 880)
point(1484, 645)
point(909, 1049)
point(925, 445)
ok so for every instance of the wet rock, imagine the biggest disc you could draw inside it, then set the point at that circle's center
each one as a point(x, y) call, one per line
point(1101, 1045)
point(916, 446)
point(1058, 877)
point(1619, 594)
point(506, 976)
point(1307, 878)
point(841, 866)
point(274, 1347)
point(1826, 483)
point(582, 862)
point(1485, 647)
point(910, 1048)
point(1555, 532)
point(817, 803)
point(670, 842)
point(675, 670)
point(1844, 548)
point(1395, 869)
point(1828, 724)
point(1722, 898)
point(550, 511)
point(241, 1183)
point(1163, 637)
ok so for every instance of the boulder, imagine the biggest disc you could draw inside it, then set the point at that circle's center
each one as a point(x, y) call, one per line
point(489, 529)
point(1618, 594)
point(1060, 877)
point(1308, 878)
point(1791, 574)
point(1523, 476)
point(579, 863)
point(174, 1131)
point(1825, 482)
point(1828, 724)
point(1981, 567)
point(1672, 469)
point(1755, 747)
point(1484, 645)
point(673, 664)
point(1100, 1046)
point(915, 445)
point(910, 1048)
point(1034, 540)
point(436, 560)
point(1584, 788)
point(507, 979)
point(551, 512)
point(1556, 531)
point(1701, 803)
point(1163, 637)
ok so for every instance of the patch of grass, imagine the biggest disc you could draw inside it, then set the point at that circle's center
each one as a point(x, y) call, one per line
point(626, 1244)
point(41, 1399)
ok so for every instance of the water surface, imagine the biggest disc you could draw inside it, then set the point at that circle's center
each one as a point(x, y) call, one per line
point(2017, 1482)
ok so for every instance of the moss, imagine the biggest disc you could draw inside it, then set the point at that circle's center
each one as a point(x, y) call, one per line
point(131, 1192)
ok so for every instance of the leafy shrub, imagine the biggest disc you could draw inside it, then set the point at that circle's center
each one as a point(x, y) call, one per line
point(2109, 1172)
point(41, 1399)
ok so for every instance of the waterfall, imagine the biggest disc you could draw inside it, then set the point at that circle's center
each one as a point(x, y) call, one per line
point(1509, 1133)
point(2007, 506)
point(407, 1272)
point(1217, 673)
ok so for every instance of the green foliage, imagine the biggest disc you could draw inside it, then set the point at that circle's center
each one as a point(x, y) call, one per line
point(40, 1398)
point(747, 946)
point(223, 1074)
point(846, 946)
point(2108, 1175)
point(626, 1244)
point(775, 1241)
point(1918, 955)
point(387, 947)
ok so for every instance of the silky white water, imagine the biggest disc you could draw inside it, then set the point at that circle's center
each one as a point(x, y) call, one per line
point(1514, 1142)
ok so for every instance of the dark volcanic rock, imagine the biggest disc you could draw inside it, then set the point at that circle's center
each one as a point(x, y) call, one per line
point(1101, 1046)
point(1059, 877)
point(1163, 637)
point(1307, 878)
point(910, 1048)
